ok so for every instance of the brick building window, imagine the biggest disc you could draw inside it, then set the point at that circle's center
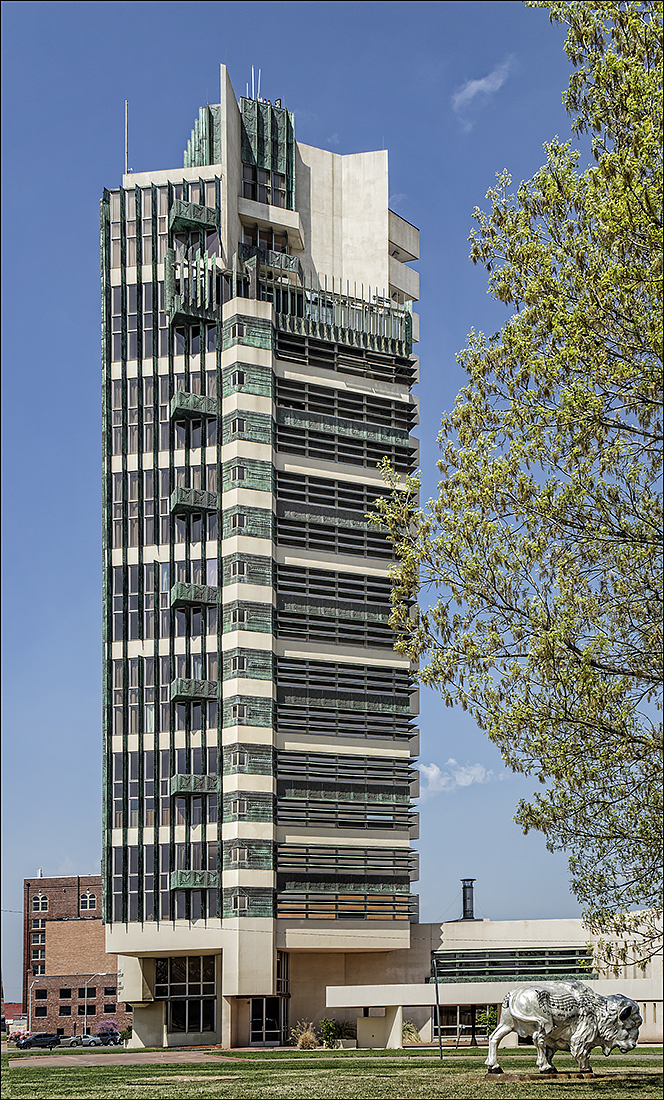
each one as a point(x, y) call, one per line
point(40, 904)
point(38, 937)
point(41, 994)
point(39, 923)
point(92, 992)
point(109, 1008)
point(40, 968)
point(64, 994)
point(41, 1010)
point(109, 991)
point(39, 953)
point(88, 901)
point(65, 1010)
point(92, 1010)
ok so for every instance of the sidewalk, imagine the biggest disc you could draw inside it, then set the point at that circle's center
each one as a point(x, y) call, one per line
point(128, 1058)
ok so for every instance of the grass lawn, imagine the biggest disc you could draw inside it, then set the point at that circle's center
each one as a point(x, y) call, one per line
point(292, 1076)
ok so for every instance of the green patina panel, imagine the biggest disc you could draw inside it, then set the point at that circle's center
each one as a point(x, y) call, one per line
point(248, 902)
point(254, 664)
point(254, 711)
point(254, 474)
point(192, 405)
point(250, 331)
point(258, 617)
point(343, 792)
point(249, 378)
point(258, 522)
point(193, 689)
point(249, 569)
point(311, 886)
point(195, 880)
point(258, 759)
point(352, 337)
point(353, 429)
point(268, 140)
point(338, 700)
point(260, 854)
point(194, 784)
point(256, 427)
point(193, 500)
point(248, 806)
point(204, 145)
point(183, 594)
point(325, 517)
point(191, 215)
point(341, 609)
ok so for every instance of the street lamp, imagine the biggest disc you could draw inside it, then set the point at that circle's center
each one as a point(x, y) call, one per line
point(36, 982)
point(85, 1003)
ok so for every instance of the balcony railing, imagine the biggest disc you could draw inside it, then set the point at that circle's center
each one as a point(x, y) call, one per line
point(191, 215)
point(192, 405)
point(195, 880)
point(193, 500)
point(183, 594)
point(194, 784)
point(193, 689)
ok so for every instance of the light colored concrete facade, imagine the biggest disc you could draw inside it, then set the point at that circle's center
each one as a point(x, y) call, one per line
point(257, 363)
point(520, 951)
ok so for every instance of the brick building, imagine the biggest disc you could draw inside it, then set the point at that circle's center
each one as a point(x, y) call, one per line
point(70, 983)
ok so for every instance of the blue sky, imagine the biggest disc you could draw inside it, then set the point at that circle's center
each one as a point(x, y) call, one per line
point(456, 92)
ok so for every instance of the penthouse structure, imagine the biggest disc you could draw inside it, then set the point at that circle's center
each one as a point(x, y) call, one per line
point(257, 365)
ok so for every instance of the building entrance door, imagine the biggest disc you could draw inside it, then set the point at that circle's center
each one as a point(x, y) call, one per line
point(266, 1021)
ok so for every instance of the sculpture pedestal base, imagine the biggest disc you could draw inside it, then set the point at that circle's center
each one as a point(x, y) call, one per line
point(561, 1075)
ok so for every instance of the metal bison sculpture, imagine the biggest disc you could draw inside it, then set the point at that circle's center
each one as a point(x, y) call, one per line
point(566, 1016)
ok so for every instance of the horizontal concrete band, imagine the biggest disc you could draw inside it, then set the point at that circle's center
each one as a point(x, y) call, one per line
point(456, 993)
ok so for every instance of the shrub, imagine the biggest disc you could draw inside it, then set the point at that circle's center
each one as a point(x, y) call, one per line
point(106, 1026)
point(347, 1030)
point(329, 1032)
point(409, 1033)
point(487, 1019)
point(304, 1035)
point(126, 1034)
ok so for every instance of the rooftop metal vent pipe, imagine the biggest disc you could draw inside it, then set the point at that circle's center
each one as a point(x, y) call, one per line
point(468, 903)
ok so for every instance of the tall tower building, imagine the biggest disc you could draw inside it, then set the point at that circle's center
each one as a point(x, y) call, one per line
point(257, 333)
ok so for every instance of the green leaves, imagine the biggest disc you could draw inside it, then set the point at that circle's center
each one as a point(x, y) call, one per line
point(542, 548)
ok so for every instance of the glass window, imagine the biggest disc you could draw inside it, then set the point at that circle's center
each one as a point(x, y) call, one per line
point(64, 1010)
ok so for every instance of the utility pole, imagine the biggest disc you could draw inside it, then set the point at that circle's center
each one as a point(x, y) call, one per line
point(36, 982)
point(440, 1037)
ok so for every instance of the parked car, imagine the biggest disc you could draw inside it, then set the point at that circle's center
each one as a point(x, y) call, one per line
point(39, 1039)
point(85, 1041)
point(110, 1038)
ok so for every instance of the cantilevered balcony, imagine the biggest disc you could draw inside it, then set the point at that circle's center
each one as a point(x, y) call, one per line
point(192, 405)
point(183, 594)
point(194, 784)
point(195, 880)
point(182, 690)
point(191, 215)
point(193, 500)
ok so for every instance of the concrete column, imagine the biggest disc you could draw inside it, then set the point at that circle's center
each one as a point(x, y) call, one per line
point(394, 1027)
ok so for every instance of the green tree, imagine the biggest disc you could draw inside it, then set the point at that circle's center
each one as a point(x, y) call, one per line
point(542, 547)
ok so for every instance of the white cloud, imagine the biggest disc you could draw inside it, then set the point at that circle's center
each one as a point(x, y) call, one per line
point(456, 775)
point(398, 198)
point(333, 139)
point(483, 88)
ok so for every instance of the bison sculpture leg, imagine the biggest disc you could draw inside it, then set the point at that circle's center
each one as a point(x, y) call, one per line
point(504, 1027)
point(544, 1052)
